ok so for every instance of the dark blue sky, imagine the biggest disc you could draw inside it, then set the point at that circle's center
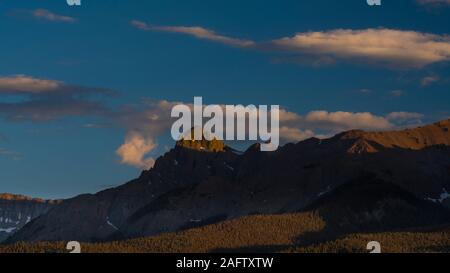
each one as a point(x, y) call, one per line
point(95, 48)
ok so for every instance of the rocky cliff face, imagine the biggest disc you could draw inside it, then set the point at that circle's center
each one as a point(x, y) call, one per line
point(198, 183)
point(213, 145)
point(17, 211)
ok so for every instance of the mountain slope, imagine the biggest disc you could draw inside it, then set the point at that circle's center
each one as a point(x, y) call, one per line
point(17, 211)
point(193, 185)
point(415, 139)
point(320, 228)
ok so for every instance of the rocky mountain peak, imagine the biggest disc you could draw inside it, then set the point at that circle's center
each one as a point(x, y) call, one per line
point(203, 145)
point(444, 124)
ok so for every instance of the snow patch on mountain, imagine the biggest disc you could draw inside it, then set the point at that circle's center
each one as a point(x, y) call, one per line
point(324, 192)
point(442, 197)
point(8, 230)
point(111, 224)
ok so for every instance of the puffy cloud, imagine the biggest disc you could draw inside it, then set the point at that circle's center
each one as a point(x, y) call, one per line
point(198, 32)
point(152, 120)
point(144, 122)
point(346, 120)
point(334, 121)
point(383, 46)
point(296, 127)
point(133, 151)
point(50, 16)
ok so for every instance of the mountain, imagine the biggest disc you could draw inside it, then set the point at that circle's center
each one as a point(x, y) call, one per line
point(414, 139)
point(313, 230)
point(18, 210)
point(358, 181)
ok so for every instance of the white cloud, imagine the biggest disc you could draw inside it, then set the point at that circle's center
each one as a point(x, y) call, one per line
point(27, 84)
point(198, 32)
point(383, 46)
point(154, 120)
point(297, 127)
point(347, 120)
point(334, 122)
point(144, 124)
point(150, 119)
point(50, 16)
point(134, 150)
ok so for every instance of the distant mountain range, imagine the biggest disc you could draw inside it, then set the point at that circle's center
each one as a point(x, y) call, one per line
point(356, 181)
point(18, 210)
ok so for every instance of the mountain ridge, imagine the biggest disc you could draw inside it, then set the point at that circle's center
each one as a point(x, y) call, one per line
point(412, 138)
point(190, 187)
point(18, 210)
point(20, 197)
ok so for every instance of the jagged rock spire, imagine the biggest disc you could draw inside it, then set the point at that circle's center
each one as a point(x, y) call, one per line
point(201, 145)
